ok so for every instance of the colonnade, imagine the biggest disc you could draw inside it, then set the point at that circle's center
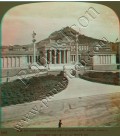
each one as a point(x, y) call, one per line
point(58, 56)
point(9, 62)
point(30, 59)
point(104, 59)
point(14, 61)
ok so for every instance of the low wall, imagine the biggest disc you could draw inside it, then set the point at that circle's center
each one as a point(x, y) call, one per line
point(105, 67)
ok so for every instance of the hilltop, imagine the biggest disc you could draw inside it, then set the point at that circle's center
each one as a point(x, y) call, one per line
point(67, 35)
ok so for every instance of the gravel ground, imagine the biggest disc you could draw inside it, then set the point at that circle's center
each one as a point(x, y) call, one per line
point(82, 103)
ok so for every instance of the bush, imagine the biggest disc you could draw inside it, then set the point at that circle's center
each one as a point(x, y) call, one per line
point(16, 92)
point(102, 77)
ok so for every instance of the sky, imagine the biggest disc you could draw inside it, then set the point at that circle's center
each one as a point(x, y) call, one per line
point(46, 17)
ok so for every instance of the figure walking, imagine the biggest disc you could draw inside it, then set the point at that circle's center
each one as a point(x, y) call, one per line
point(60, 123)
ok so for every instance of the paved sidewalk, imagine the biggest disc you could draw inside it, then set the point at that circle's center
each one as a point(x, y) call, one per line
point(78, 88)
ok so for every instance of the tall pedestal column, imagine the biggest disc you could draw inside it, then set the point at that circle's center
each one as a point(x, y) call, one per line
point(76, 48)
point(46, 56)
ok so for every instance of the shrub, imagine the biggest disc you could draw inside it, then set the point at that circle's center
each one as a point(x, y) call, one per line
point(15, 92)
point(102, 77)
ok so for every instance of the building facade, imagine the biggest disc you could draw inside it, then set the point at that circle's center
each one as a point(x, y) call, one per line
point(50, 53)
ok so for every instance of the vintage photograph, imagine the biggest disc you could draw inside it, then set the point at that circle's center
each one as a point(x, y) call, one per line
point(60, 66)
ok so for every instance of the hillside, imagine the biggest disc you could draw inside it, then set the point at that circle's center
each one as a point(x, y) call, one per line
point(67, 35)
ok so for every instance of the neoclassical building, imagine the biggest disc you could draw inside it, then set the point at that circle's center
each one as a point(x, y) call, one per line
point(17, 56)
point(64, 53)
point(58, 52)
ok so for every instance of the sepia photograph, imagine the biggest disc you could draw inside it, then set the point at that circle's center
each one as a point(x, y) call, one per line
point(60, 67)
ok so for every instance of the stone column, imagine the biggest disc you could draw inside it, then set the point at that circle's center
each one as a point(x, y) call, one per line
point(10, 62)
point(110, 59)
point(45, 58)
point(60, 56)
point(15, 61)
point(7, 62)
point(3, 62)
point(54, 56)
point(68, 57)
point(71, 58)
point(50, 56)
point(29, 59)
point(105, 59)
point(34, 54)
point(18, 59)
point(76, 48)
point(100, 59)
point(19, 62)
point(64, 56)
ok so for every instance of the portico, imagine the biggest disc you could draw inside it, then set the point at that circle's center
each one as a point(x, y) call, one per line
point(56, 55)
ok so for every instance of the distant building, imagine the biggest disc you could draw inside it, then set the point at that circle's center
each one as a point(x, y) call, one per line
point(104, 59)
point(64, 53)
point(17, 57)
point(57, 50)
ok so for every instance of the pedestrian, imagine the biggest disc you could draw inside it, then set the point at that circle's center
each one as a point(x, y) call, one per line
point(59, 124)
